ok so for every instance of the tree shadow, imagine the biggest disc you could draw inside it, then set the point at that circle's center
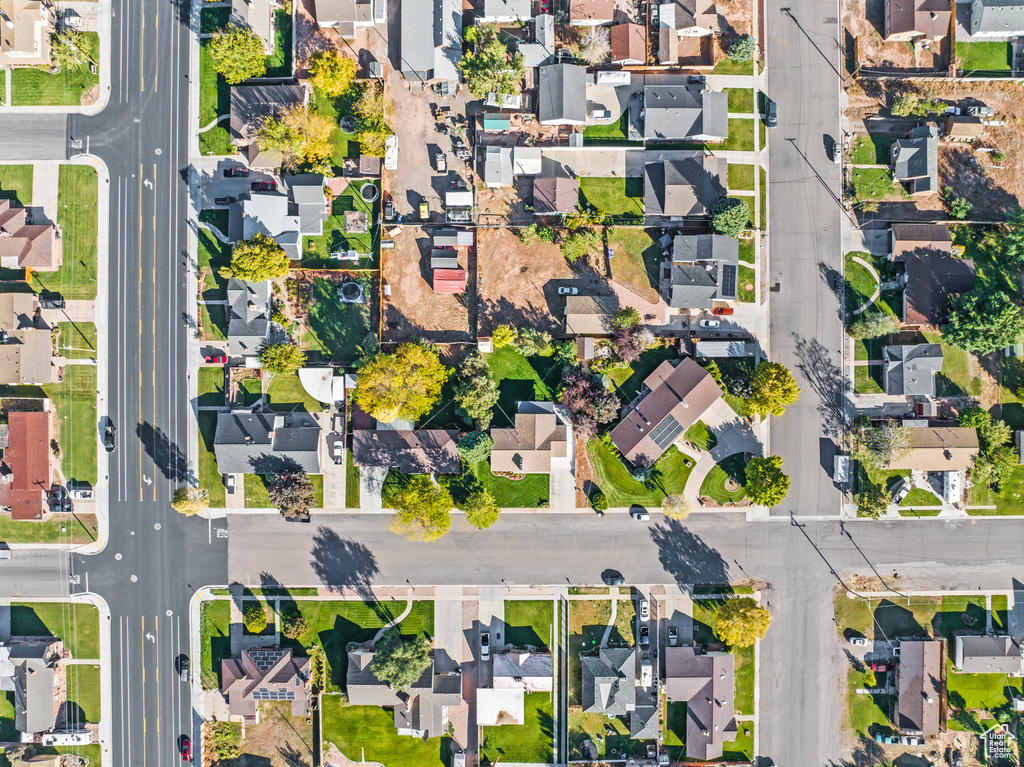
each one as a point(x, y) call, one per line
point(165, 454)
point(893, 621)
point(867, 753)
point(342, 563)
point(827, 381)
point(686, 557)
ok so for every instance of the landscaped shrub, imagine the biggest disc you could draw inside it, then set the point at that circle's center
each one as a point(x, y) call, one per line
point(254, 617)
point(599, 501)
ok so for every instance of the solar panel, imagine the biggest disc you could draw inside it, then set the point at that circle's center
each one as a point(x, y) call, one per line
point(665, 433)
point(729, 280)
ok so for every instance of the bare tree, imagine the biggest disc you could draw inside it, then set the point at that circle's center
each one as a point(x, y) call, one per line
point(595, 47)
point(889, 442)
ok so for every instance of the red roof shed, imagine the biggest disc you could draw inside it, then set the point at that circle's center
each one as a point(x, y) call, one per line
point(449, 280)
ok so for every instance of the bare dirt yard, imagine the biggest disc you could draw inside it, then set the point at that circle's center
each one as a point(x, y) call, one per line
point(279, 740)
point(864, 21)
point(414, 310)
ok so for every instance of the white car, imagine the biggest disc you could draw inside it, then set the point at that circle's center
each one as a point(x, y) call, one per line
point(858, 641)
point(709, 323)
point(900, 491)
point(568, 291)
point(485, 646)
point(645, 610)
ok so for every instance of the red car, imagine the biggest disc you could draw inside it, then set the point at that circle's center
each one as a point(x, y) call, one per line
point(186, 749)
point(264, 186)
point(215, 360)
point(879, 667)
point(720, 310)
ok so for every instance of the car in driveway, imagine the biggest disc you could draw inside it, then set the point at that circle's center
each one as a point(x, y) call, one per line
point(858, 642)
point(889, 740)
point(485, 646)
point(110, 438)
point(879, 667)
point(645, 610)
point(52, 303)
point(710, 323)
point(673, 636)
point(223, 200)
point(389, 208)
point(981, 111)
point(263, 186)
point(771, 114)
point(900, 491)
point(236, 172)
point(186, 749)
point(338, 452)
point(229, 483)
point(215, 359)
point(911, 740)
point(645, 637)
point(568, 291)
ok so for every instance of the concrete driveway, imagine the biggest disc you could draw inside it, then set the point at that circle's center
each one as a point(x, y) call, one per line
point(371, 482)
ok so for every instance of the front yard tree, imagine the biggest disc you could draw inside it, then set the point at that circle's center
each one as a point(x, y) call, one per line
point(588, 402)
point(476, 446)
point(676, 506)
point(238, 54)
point(254, 617)
point(1013, 236)
point(476, 393)
point(281, 358)
point(300, 134)
point(259, 258)
point(404, 385)
point(70, 49)
point(903, 105)
point(741, 622)
point(888, 442)
point(292, 493)
point(190, 500)
point(490, 69)
point(766, 484)
point(400, 661)
point(872, 500)
point(293, 625)
point(983, 321)
point(730, 216)
point(423, 509)
point(875, 325)
point(625, 317)
point(772, 389)
point(742, 48)
point(332, 73)
point(372, 109)
point(481, 509)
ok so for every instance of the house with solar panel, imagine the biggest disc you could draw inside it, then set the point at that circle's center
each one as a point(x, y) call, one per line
point(264, 674)
point(702, 269)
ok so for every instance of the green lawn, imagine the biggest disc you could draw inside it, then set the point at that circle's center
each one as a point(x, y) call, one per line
point(744, 673)
point(668, 476)
point(747, 250)
point(613, 196)
point(741, 135)
point(909, 616)
point(629, 378)
point(529, 492)
point(919, 497)
point(1008, 501)
point(83, 693)
point(700, 436)
point(866, 714)
point(77, 340)
point(209, 476)
point(955, 379)
point(16, 183)
point(345, 146)
point(286, 395)
point(867, 349)
point(279, 63)
point(211, 386)
point(74, 400)
point(214, 91)
point(335, 330)
point(741, 177)
point(258, 497)
point(351, 482)
point(214, 320)
point(213, 19)
point(993, 270)
point(316, 251)
point(984, 56)
point(214, 640)
point(212, 256)
point(78, 625)
point(867, 379)
point(860, 282)
point(38, 87)
point(637, 259)
point(987, 691)
point(876, 184)
point(530, 742)
point(77, 192)
point(529, 622)
point(8, 732)
point(216, 141)
point(870, 150)
point(369, 732)
point(616, 131)
point(520, 380)
point(674, 731)
point(730, 67)
point(740, 100)
point(733, 467)
point(746, 285)
point(609, 734)
point(80, 528)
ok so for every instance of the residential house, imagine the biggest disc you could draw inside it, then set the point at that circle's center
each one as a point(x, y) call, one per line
point(251, 105)
point(671, 400)
point(909, 371)
point(258, 15)
point(914, 20)
point(932, 279)
point(24, 245)
point(937, 448)
point(346, 16)
point(996, 19)
point(265, 674)
point(26, 346)
point(430, 40)
point(988, 654)
point(309, 201)
point(505, 11)
point(267, 443)
point(685, 113)
point(688, 186)
point(286, 218)
point(962, 129)
point(590, 315)
point(629, 44)
point(703, 269)
point(497, 166)
point(541, 434)
point(609, 686)
point(591, 13)
point(921, 687)
point(542, 50)
point(562, 94)
point(690, 18)
point(919, 239)
point(25, 477)
point(915, 160)
point(421, 710)
point(528, 671)
point(32, 668)
point(704, 681)
point(411, 451)
point(25, 29)
point(555, 196)
point(248, 316)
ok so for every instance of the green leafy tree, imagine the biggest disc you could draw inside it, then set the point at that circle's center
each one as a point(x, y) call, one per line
point(503, 335)
point(886, 443)
point(875, 325)
point(599, 501)
point(983, 321)
point(476, 393)
point(293, 625)
point(741, 622)
point(1013, 236)
point(259, 258)
point(626, 318)
point(476, 446)
point(994, 467)
point(225, 739)
point(530, 341)
point(254, 617)
point(481, 509)
point(958, 207)
point(742, 48)
point(994, 435)
point(581, 244)
point(490, 69)
point(872, 500)
point(400, 661)
point(766, 484)
point(70, 49)
point(730, 216)
point(281, 358)
point(238, 54)
point(300, 134)
point(869, 679)
point(403, 385)
point(292, 493)
point(903, 105)
point(372, 110)
point(423, 509)
point(190, 500)
point(974, 418)
point(332, 73)
point(773, 389)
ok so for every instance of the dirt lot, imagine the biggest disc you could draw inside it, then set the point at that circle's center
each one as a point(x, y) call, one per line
point(864, 21)
point(413, 310)
point(279, 740)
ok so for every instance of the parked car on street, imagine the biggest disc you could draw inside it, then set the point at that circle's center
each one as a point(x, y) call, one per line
point(186, 749)
point(485, 646)
point(858, 641)
point(645, 637)
point(645, 610)
point(613, 578)
point(110, 438)
point(183, 668)
point(568, 291)
point(236, 172)
point(709, 323)
point(771, 114)
point(640, 515)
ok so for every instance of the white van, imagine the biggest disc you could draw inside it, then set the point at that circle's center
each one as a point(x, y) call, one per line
point(646, 673)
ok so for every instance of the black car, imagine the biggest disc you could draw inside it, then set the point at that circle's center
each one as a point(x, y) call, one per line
point(224, 200)
point(613, 578)
point(697, 79)
point(236, 172)
point(183, 668)
point(771, 114)
point(645, 637)
point(389, 208)
point(110, 437)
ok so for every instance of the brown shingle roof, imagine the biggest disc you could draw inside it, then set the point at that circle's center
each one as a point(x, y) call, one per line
point(922, 17)
point(939, 448)
point(28, 458)
point(920, 686)
point(583, 11)
point(555, 195)
point(908, 239)
point(24, 245)
point(25, 358)
point(628, 43)
point(529, 447)
point(265, 674)
point(411, 451)
point(590, 315)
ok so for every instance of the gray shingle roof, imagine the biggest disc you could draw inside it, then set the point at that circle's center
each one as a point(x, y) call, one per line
point(506, 10)
point(268, 213)
point(248, 316)
point(988, 655)
point(915, 158)
point(430, 39)
point(244, 445)
point(704, 681)
point(704, 269)
point(684, 187)
point(307, 193)
point(680, 112)
point(609, 681)
point(562, 94)
point(997, 18)
point(910, 370)
point(252, 104)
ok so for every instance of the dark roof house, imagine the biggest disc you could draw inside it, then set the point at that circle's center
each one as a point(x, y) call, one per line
point(916, 19)
point(704, 681)
point(910, 370)
point(266, 443)
point(430, 40)
point(258, 16)
point(915, 160)
point(921, 686)
point(530, 671)
point(250, 106)
point(411, 451)
point(997, 19)
point(265, 674)
point(562, 94)
point(27, 246)
point(672, 399)
point(703, 269)
point(32, 669)
point(932, 279)
point(921, 239)
point(248, 316)
point(609, 681)
point(684, 187)
point(555, 195)
point(685, 113)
